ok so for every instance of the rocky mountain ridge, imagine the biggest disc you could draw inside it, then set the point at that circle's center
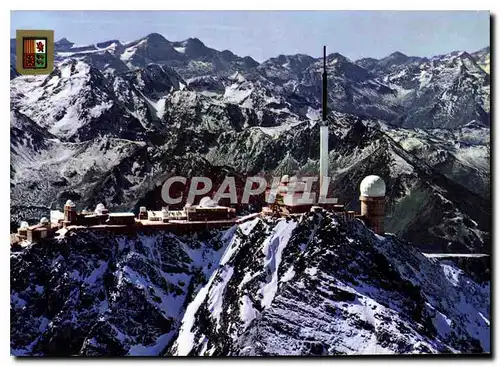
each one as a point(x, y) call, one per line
point(314, 285)
point(397, 88)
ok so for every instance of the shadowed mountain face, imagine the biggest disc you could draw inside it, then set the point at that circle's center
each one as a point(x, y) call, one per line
point(314, 285)
point(113, 120)
point(424, 206)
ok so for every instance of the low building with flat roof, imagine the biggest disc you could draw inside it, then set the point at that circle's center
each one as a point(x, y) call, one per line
point(121, 218)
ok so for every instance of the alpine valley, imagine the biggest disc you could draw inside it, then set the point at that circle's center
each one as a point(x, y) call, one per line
point(114, 120)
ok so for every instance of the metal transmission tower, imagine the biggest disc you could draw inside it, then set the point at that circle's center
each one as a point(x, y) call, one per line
point(323, 135)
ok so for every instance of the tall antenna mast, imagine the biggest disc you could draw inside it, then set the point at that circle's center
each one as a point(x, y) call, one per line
point(323, 139)
point(325, 87)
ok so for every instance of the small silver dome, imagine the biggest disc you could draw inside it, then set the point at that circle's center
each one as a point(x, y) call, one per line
point(70, 203)
point(44, 220)
point(99, 209)
point(207, 202)
point(24, 225)
point(372, 186)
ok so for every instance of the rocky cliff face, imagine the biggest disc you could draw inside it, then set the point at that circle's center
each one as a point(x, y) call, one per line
point(321, 286)
point(114, 120)
point(103, 294)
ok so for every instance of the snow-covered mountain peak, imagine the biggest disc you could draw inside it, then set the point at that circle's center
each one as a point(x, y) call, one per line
point(239, 112)
point(153, 48)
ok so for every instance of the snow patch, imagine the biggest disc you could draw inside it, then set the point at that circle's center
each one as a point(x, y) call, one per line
point(289, 274)
point(452, 274)
point(272, 249)
point(217, 294)
point(247, 311)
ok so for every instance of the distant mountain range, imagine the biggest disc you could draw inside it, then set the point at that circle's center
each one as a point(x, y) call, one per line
point(442, 91)
point(113, 120)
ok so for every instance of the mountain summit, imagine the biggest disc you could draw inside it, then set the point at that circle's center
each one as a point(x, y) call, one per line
point(315, 285)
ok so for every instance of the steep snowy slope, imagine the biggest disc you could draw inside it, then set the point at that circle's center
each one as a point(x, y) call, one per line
point(74, 102)
point(95, 294)
point(255, 119)
point(153, 48)
point(391, 63)
point(318, 285)
point(27, 138)
point(446, 91)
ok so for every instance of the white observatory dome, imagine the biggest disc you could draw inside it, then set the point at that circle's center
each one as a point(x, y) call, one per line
point(372, 186)
point(70, 203)
point(207, 202)
point(44, 220)
point(99, 209)
point(24, 225)
point(285, 179)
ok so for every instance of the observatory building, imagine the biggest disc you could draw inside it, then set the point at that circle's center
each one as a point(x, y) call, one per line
point(208, 209)
point(372, 198)
point(70, 213)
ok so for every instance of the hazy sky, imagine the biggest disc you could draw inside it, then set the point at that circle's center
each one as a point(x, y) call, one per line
point(265, 34)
